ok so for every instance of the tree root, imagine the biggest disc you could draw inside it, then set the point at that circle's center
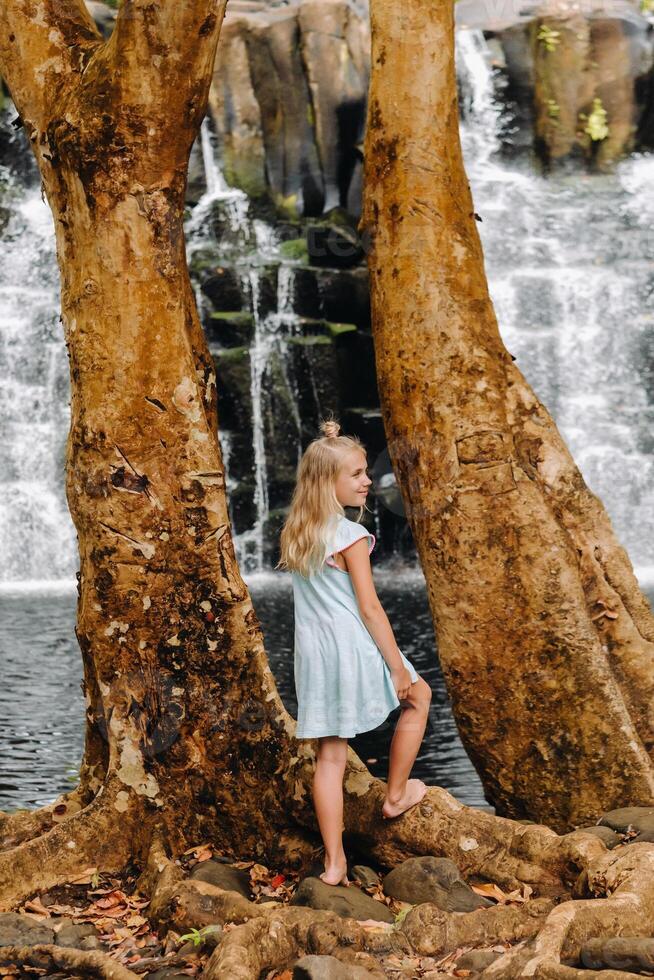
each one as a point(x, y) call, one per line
point(102, 835)
point(76, 961)
point(183, 903)
point(481, 845)
point(279, 937)
point(433, 932)
point(24, 825)
point(626, 878)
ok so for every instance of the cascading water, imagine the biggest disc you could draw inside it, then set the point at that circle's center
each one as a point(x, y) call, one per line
point(255, 245)
point(569, 265)
point(569, 262)
point(37, 538)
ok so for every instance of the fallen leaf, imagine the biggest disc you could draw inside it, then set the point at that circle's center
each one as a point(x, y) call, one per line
point(376, 924)
point(198, 847)
point(36, 905)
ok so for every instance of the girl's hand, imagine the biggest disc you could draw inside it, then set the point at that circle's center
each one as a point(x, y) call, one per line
point(401, 682)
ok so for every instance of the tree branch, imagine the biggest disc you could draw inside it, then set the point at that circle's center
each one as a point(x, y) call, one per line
point(41, 44)
point(165, 51)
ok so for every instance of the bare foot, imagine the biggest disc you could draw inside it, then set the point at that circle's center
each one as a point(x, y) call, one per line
point(414, 793)
point(335, 876)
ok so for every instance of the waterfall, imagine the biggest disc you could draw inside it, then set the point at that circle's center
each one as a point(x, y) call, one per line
point(569, 262)
point(479, 106)
point(37, 538)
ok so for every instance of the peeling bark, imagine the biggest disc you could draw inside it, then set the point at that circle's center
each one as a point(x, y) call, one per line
point(544, 637)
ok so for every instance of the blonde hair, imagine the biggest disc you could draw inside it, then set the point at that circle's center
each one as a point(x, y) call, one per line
point(306, 533)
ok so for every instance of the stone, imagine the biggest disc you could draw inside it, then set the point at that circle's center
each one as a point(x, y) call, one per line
point(334, 40)
point(435, 880)
point(72, 934)
point(223, 876)
point(167, 973)
point(233, 383)
point(337, 295)
point(224, 289)
point(24, 930)
point(346, 901)
point(328, 968)
point(232, 329)
point(235, 110)
point(314, 367)
point(282, 429)
point(605, 834)
point(640, 818)
point(292, 164)
point(335, 246)
point(365, 876)
point(477, 960)
point(634, 954)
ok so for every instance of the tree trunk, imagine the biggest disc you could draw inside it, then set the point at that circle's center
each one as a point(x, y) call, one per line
point(184, 724)
point(544, 637)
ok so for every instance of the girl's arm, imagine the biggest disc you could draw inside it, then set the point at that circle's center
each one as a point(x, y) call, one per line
point(372, 612)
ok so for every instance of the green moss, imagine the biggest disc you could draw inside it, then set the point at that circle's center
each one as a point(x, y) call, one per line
point(287, 207)
point(596, 123)
point(336, 329)
point(310, 341)
point(549, 38)
point(111, 3)
point(239, 316)
point(296, 250)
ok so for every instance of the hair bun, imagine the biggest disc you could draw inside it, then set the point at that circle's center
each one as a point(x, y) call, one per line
point(330, 429)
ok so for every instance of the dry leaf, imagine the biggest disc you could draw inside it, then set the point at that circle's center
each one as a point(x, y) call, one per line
point(36, 905)
point(198, 847)
point(376, 924)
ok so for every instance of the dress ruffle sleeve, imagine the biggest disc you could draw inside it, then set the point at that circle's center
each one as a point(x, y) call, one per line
point(347, 533)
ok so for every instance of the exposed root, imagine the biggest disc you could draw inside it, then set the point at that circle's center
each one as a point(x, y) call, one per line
point(276, 939)
point(184, 903)
point(24, 825)
point(626, 879)
point(76, 961)
point(433, 932)
point(102, 835)
point(480, 844)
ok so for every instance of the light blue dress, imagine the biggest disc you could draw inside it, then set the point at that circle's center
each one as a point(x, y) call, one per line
point(342, 681)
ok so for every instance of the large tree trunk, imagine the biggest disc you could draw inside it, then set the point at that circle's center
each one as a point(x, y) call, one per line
point(184, 724)
point(544, 637)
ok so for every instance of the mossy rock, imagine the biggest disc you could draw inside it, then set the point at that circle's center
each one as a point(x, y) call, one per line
point(310, 341)
point(229, 329)
point(338, 329)
point(296, 250)
point(312, 327)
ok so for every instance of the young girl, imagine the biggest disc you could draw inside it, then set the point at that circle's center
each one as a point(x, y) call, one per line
point(349, 672)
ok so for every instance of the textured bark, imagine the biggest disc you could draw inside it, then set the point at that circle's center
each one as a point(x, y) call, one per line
point(544, 637)
point(184, 724)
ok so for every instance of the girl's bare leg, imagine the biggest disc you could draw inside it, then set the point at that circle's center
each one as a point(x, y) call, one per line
point(402, 792)
point(328, 801)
